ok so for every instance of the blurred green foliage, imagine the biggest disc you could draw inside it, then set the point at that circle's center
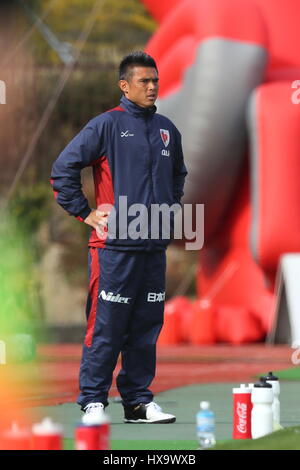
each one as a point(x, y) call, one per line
point(18, 280)
point(120, 25)
point(30, 206)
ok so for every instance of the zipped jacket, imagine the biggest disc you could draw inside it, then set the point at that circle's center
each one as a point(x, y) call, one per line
point(136, 156)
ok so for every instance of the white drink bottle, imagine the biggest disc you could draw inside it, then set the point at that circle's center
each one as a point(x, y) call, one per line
point(273, 380)
point(262, 414)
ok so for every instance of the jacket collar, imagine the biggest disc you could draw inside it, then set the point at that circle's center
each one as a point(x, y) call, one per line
point(136, 110)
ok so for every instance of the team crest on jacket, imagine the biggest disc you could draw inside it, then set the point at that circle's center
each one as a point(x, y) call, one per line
point(165, 136)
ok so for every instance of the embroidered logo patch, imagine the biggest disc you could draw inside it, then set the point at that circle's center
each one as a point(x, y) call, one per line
point(165, 136)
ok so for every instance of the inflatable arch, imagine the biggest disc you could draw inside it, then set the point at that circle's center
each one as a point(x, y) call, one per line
point(227, 69)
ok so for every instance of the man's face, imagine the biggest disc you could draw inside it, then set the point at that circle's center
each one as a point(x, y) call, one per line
point(142, 86)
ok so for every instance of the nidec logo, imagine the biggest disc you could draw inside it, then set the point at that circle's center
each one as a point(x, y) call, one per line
point(110, 297)
point(156, 297)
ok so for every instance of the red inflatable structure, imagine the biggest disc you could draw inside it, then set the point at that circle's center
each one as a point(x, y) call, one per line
point(227, 69)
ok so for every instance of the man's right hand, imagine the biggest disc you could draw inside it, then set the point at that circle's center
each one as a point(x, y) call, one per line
point(97, 220)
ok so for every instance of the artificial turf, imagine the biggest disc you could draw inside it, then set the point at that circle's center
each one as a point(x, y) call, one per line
point(285, 439)
point(118, 444)
point(288, 374)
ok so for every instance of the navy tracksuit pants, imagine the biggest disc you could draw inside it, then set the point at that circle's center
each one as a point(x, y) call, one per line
point(124, 315)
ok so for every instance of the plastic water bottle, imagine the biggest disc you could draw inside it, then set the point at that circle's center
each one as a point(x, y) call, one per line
point(262, 414)
point(93, 433)
point(242, 407)
point(15, 438)
point(273, 380)
point(47, 435)
point(205, 426)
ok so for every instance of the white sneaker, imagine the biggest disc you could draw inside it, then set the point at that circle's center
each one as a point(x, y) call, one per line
point(93, 413)
point(147, 413)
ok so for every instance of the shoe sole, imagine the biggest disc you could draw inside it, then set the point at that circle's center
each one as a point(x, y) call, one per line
point(161, 421)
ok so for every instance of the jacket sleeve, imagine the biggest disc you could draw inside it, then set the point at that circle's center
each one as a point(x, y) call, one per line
point(179, 170)
point(86, 147)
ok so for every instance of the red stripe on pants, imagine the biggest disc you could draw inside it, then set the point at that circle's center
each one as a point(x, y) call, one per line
point(93, 292)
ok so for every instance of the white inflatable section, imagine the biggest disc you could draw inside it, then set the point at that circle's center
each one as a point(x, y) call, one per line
point(286, 325)
point(209, 109)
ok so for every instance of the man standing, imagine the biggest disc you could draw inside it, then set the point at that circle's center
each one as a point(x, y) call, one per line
point(137, 159)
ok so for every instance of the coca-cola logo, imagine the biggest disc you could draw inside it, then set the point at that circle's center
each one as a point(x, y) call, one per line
point(241, 411)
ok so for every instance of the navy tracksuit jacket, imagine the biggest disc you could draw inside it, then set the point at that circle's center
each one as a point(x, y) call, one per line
point(134, 152)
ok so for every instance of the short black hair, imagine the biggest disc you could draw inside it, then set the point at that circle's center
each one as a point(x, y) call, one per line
point(135, 58)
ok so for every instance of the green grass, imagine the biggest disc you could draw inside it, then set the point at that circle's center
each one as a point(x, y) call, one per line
point(143, 445)
point(289, 374)
point(285, 439)
point(293, 373)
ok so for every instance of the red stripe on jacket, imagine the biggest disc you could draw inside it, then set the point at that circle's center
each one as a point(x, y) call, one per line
point(54, 192)
point(117, 108)
point(93, 292)
point(104, 195)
